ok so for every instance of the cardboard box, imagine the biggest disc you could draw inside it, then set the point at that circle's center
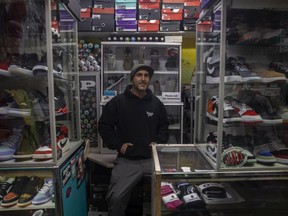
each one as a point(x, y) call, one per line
point(86, 3)
point(189, 25)
point(148, 25)
point(103, 25)
point(191, 12)
point(170, 25)
point(150, 14)
point(85, 25)
point(103, 10)
point(125, 14)
point(130, 25)
point(172, 14)
point(85, 13)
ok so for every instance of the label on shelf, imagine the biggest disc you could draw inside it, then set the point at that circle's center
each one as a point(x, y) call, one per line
point(171, 97)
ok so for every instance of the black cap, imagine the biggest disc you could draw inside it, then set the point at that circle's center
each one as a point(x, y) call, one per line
point(139, 67)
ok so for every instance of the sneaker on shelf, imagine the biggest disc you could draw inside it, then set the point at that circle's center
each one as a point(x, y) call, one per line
point(5, 186)
point(114, 81)
point(23, 65)
point(39, 212)
point(279, 67)
point(270, 76)
point(240, 66)
point(250, 37)
point(9, 147)
point(155, 59)
point(4, 69)
point(237, 145)
point(45, 153)
point(12, 107)
point(41, 69)
point(128, 62)
point(248, 115)
point(62, 137)
point(27, 146)
point(212, 59)
point(282, 111)
point(60, 103)
point(45, 193)
point(29, 191)
point(111, 61)
point(229, 113)
point(15, 191)
point(261, 105)
point(157, 88)
point(172, 59)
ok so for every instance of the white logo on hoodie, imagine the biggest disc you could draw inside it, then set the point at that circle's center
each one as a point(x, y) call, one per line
point(149, 114)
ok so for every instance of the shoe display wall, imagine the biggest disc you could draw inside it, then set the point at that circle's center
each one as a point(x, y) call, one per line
point(242, 84)
point(39, 104)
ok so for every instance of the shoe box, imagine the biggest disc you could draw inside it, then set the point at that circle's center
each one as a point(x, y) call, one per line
point(170, 25)
point(123, 14)
point(172, 11)
point(103, 4)
point(103, 22)
point(191, 10)
point(103, 16)
point(125, 4)
point(148, 25)
point(149, 11)
point(189, 25)
point(130, 25)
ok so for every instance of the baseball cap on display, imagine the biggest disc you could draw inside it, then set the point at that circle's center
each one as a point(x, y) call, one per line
point(139, 67)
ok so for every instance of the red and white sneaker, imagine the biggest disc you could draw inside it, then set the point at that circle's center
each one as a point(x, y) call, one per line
point(45, 153)
point(248, 115)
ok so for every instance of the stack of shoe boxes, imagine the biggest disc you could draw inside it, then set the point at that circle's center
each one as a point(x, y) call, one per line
point(85, 15)
point(103, 16)
point(148, 15)
point(217, 18)
point(126, 18)
point(191, 14)
point(172, 15)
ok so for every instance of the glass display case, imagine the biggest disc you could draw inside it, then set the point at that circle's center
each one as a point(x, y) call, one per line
point(184, 183)
point(118, 58)
point(39, 102)
point(241, 84)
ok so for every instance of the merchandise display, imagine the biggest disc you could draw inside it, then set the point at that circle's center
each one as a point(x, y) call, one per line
point(241, 85)
point(184, 183)
point(39, 106)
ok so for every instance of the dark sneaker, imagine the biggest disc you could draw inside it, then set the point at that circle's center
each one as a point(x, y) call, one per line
point(15, 191)
point(4, 187)
point(229, 114)
point(279, 67)
point(154, 57)
point(45, 193)
point(261, 105)
point(172, 59)
point(212, 59)
point(41, 69)
point(157, 88)
point(23, 65)
point(30, 190)
point(240, 66)
point(128, 62)
point(60, 103)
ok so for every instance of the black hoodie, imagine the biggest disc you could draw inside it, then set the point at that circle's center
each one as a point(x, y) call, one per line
point(127, 118)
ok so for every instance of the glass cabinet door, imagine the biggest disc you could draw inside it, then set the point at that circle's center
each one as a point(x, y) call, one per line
point(241, 84)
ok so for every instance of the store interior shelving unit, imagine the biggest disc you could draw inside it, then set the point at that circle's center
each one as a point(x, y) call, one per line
point(39, 88)
point(241, 85)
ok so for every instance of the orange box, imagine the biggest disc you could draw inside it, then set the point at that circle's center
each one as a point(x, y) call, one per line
point(148, 25)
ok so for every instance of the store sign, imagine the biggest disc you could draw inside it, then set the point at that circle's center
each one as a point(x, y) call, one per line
point(171, 97)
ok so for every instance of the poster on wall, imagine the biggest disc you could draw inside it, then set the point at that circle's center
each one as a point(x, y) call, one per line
point(80, 168)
